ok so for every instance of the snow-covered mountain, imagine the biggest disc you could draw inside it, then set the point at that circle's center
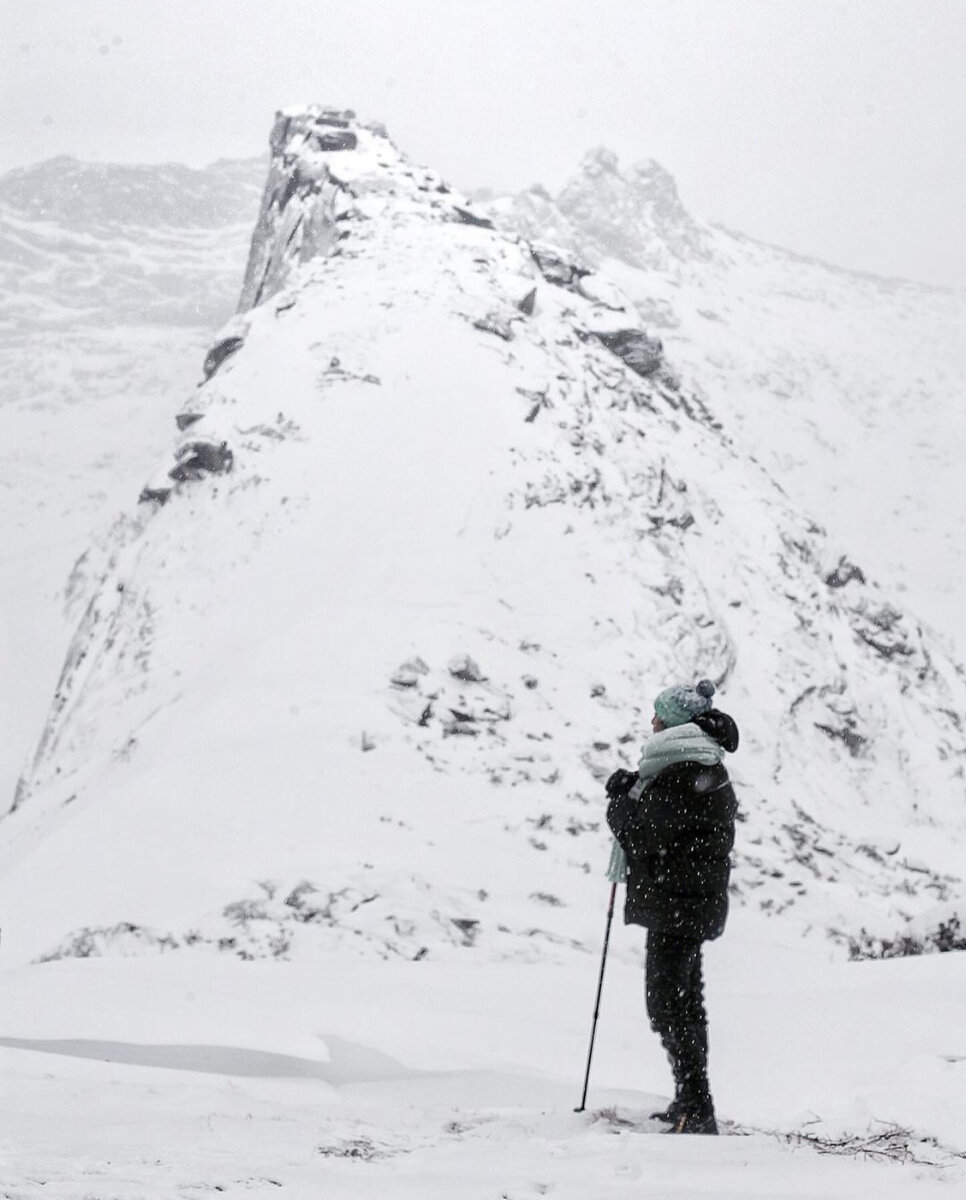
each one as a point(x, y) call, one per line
point(114, 278)
point(441, 520)
point(847, 387)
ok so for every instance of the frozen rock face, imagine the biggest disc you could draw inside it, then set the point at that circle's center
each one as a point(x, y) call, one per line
point(324, 165)
point(424, 555)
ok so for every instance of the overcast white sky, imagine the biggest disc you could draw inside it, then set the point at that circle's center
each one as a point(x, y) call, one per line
point(832, 128)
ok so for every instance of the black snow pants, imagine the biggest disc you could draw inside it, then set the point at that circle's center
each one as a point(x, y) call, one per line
point(675, 1008)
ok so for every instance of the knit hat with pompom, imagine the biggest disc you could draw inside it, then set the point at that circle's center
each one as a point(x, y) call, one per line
point(679, 704)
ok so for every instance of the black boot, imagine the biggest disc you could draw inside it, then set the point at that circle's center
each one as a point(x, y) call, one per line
point(670, 1114)
point(695, 1109)
point(695, 1118)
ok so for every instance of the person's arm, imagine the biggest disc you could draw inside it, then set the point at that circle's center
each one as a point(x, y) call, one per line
point(625, 818)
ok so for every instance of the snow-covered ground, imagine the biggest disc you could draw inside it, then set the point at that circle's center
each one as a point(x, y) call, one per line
point(178, 1077)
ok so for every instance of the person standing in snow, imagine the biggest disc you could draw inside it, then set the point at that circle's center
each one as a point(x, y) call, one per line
point(674, 820)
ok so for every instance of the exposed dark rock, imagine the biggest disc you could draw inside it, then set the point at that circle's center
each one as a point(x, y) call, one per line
point(409, 673)
point(153, 495)
point(887, 650)
point(412, 707)
point(947, 935)
point(461, 666)
point(683, 521)
point(537, 400)
point(491, 323)
point(470, 218)
point(688, 403)
point(337, 140)
point(279, 134)
point(844, 573)
point(557, 269)
point(468, 928)
point(219, 352)
point(852, 741)
point(882, 629)
point(186, 420)
point(336, 120)
point(302, 203)
point(199, 458)
point(885, 618)
point(637, 349)
point(460, 724)
point(526, 305)
point(879, 848)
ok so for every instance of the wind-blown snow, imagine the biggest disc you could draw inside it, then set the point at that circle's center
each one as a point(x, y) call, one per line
point(438, 524)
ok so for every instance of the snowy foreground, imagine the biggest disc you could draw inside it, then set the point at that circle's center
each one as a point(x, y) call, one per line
point(188, 1075)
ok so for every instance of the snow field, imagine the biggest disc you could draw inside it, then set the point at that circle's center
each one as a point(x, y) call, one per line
point(142, 1077)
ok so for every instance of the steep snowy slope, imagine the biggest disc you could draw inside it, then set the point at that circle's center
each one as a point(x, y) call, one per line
point(844, 385)
point(112, 280)
point(437, 527)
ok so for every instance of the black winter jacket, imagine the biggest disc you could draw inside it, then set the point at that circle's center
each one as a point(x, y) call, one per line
point(678, 838)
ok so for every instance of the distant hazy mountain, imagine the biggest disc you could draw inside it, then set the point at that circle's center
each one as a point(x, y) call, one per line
point(118, 245)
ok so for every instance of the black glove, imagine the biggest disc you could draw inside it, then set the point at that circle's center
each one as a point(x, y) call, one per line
point(620, 783)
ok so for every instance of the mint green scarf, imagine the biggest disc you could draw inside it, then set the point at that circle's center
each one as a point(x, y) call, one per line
point(679, 744)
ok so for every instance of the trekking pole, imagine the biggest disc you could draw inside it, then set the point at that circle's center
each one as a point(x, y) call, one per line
point(600, 988)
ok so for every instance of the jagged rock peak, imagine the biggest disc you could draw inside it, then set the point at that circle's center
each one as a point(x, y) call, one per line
point(648, 179)
point(330, 174)
point(635, 214)
point(598, 161)
point(653, 179)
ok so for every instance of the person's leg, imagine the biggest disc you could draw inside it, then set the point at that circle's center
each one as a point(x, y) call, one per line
point(663, 984)
point(675, 1007)
point(692, 1035)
